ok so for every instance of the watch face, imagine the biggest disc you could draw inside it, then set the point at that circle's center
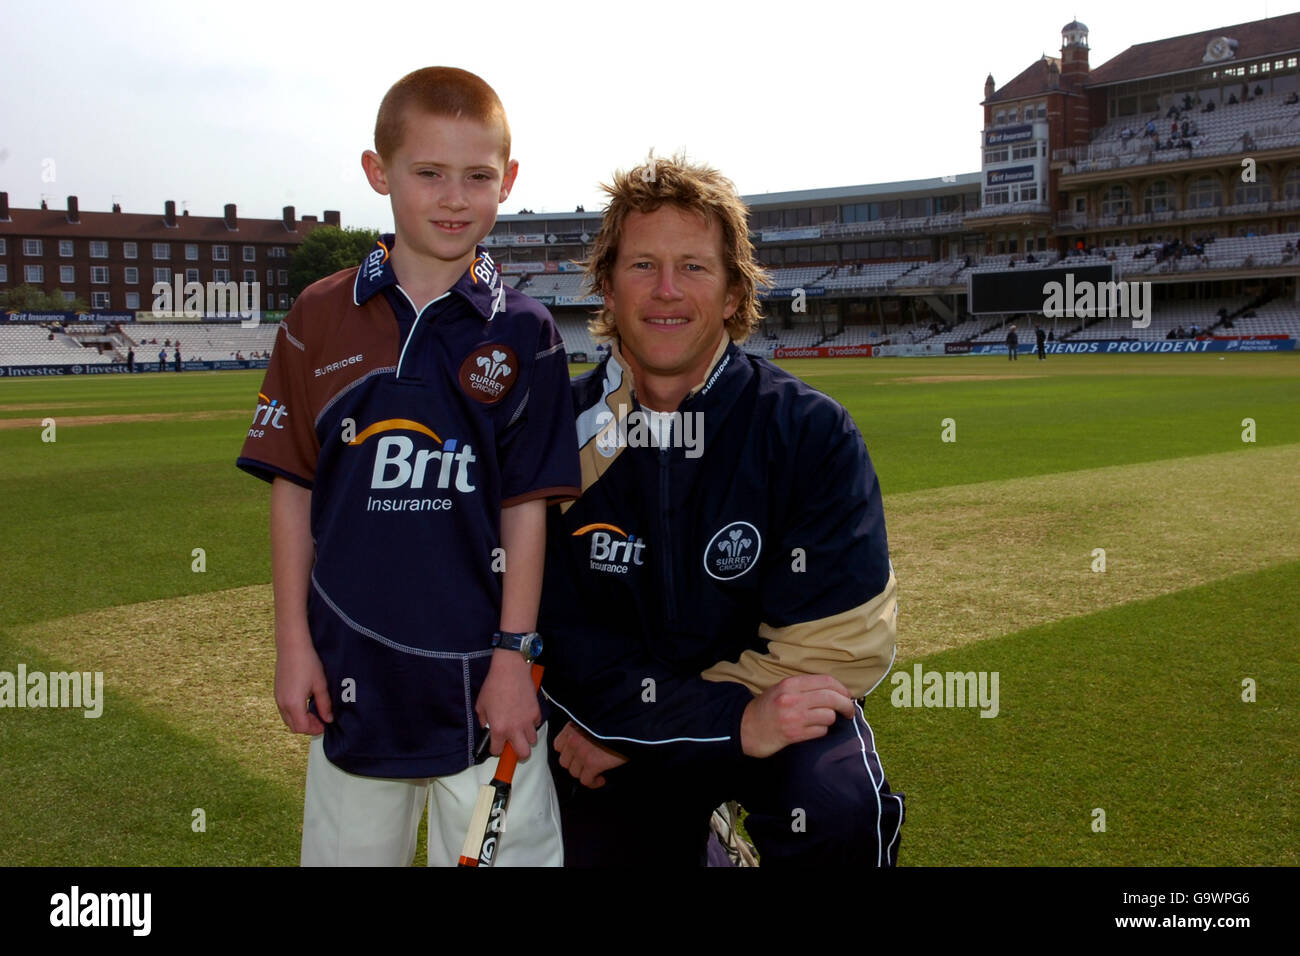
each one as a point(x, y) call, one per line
point(533, 647)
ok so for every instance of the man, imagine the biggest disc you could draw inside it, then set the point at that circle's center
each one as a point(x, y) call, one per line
point(1041, 337)
point(130, 359)
point(1013, 344)
point(721, 595)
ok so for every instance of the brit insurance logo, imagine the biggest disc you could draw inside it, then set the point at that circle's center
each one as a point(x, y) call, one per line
point(374, 264)
point(414, 469)
point(489, 372)
point(612, 550)
point(270, 413)
point(732, 551)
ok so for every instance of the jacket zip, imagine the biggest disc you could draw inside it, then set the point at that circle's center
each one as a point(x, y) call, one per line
point(665, 547)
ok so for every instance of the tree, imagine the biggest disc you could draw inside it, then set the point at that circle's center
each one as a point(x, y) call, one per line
point(325, 251)
point(28, 298)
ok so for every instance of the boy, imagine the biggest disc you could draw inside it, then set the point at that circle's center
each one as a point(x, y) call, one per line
point(414, 421)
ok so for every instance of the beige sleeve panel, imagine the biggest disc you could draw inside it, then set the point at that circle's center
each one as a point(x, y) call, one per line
point(855, 646)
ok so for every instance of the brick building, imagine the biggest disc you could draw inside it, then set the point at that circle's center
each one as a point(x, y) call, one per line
point(111, 260)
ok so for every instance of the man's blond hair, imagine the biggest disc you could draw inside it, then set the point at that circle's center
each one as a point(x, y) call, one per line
point(690, 186)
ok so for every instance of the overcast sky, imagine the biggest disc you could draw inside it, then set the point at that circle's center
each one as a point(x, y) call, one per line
point(267, 104)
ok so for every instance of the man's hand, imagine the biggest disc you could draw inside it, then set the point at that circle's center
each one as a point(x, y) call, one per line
point(507, 704)
point(798, 708)
point(298, 676)
point(584, 758)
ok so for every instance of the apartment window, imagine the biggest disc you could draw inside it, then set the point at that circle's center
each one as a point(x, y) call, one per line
point(4, 246)
point(270, 277)
point(191, 252)
point(4, 272)
point(65, 248)
point(995, 156)
point(67, 274)
point(250, 253)
point(221, 275)
point(191, 275)
point(277, 252)
point(220, 253)
point(162, 250)
point(99, 250)
point(130, 250)
point(284, 300)
point(1025, 152)
point(99, 300)
point(133, 300)
point(283, 277)
point(250, 276)
point(131, 275)
point(68, 297)
point(99, 275)
point(32, 247)
point(34, 274)
point(270, 301)
point(162, 275)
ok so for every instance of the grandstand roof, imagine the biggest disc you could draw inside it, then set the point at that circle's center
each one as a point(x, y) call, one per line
point(1274, 35)
point(1030, 82)
point(928, 187)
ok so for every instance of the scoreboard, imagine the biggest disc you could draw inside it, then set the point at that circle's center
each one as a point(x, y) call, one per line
point(1022, 290)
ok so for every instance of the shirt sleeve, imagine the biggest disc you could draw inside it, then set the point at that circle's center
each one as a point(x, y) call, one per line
point(281, 440)
point(828, 589)
point(539, 455)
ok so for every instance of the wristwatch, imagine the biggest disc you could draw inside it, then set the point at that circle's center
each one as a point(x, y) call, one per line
point(530, 644)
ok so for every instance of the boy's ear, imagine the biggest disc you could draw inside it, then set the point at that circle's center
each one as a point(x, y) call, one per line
point(373, 164)
point(508, 180)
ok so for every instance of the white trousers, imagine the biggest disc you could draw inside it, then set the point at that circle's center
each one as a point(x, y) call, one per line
point(350, 820)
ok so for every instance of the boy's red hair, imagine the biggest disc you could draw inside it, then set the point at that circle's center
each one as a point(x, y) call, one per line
point(438, 91)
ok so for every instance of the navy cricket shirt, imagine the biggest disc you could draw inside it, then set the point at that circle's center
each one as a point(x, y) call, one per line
point(412, 431)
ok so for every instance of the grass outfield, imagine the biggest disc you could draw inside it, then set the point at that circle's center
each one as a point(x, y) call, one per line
point(1119, 691)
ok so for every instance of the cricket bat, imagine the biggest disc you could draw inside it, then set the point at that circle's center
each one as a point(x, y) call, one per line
point(488, 823)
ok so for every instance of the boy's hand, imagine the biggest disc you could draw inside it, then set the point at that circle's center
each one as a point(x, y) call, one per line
point(299, 676)
point(508, 703)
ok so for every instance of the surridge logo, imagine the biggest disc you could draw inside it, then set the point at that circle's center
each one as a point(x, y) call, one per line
point(489, 372)
point(732, 551)
point(398, 464)
point(609, 554)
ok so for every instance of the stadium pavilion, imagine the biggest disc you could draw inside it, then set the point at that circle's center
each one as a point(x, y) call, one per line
point(1177, 163)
